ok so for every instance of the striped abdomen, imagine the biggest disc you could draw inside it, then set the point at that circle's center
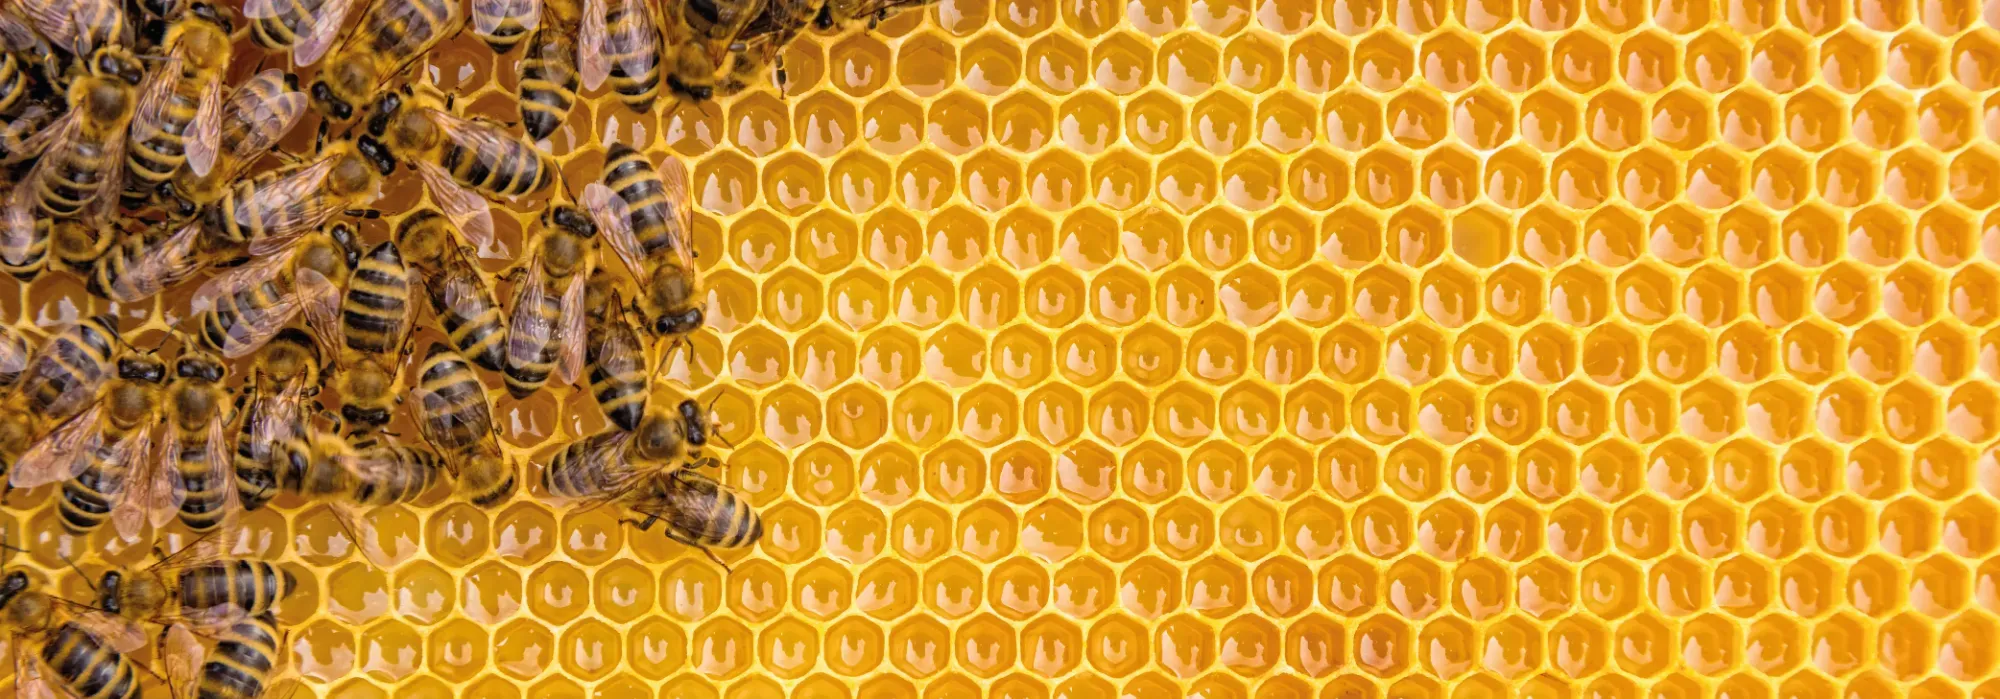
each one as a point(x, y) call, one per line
point(73, 180)
point(88, 667)
point(618, 372)
point(202, 509)
point(157, 150)
point(520, 171)
point(405, 29)
point(633, 37)
point(475, 325)
point(456, 401)
point(232, 219)
point(629, 174)
point(253, 587)
point(417, 469)
point(700, 512)
point(87, 499)
point(13, 82)
point(240, 667)
point(531, 356)
point(25, 256)
point(578, 470)
point(548, 80)
point(282, 31)
point(66, 373)
point(224, 329)
point(377, 297)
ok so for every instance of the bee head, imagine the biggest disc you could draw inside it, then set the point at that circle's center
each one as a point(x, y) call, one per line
point(697, 424)
point(177, 206)
point(344, 234)
point(142, 367)
point(209, 14)
point(12, 586)
point(376, 154)
point(385, 110)
point(572, 219)
point(108, 598)
point(117, 63)
point(200, 366)
point(333, 106)
point(678, 323)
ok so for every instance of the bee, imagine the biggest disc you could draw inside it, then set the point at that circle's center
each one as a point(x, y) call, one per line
point(80, 27)
point(196, 446)
point(373, 329)
point(620, 41)
point(269, 210)
point(504, 23)
point(619, 377)
point(15, 82)
point(58, 381)
point(82, 157)
point(761, 44)
point(455, 417)
point(698, 512)
point(102, 457)
point(84, 663)
point(25, 49)
point(549, 72)
point(392, 35)
point(702, 32)
point(305, 27)
point(459, 294)
point(612, 465)
point(255, 116)
point(459, 159)
point(546, 331)
point(244, 658)
point(354, 469)
point(179, 118)
point(643, 213)
point(237, 311)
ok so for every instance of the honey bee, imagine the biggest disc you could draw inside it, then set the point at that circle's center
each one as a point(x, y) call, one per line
point(643, 213)
point(373, 328)
point(179, 118)
point(460, 296)
point(619, 376)
point(58, 382)
point(612, 465)
point(698, 512)
point(548, 73)
point(246, 654)
point(619, 41)
point(546, 332)
point(103, 457)
point(139, 266)
point(82, 157)
point(255, 116)
point(391, 36)
point(24, 250)
point(305, 27)
point(25, 613)
point(701, 33)
point(84, 663)
point(196, 446)
point(459, 159)
point(504, 23)
point(26, 50)
point(269, 210)
point(455, 417)
point(237, 311)
point(80, 27)
point(354, 469)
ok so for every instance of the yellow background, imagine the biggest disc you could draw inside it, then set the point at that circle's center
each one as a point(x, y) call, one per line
point(1271, 348)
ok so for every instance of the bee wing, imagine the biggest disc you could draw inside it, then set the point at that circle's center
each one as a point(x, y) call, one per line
point(351, 519)
point(140, 495)
point(61, 130)
point(206, 139)
point(528, 329)
point(464, 291)
point(570, 333)
point(234, 281)
point(218, 464)
point(591, 62)
point(63, 453)
point(466, 209)
point(487, 14)
point(301, 193)
point(641, 58)
point(166, 263)
point(314, 42)
point(123, 635)
point(17, 225)
point(267, 120)
point(156, 88)
point(14, 352)
point(487, 141)
point(611, 215)
point(28, 680)
point(674, 181)
point(183, 656)
point(321, 301)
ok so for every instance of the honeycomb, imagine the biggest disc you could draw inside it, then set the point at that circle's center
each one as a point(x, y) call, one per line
point(1343, 349)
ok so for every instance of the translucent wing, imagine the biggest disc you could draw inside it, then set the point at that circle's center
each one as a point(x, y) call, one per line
point(265, 120)
point(206, 137)
point(146, 491)
point(466, 209)
point(182, 654)
point(324, 25)
point(17, 225)
point(613, 221)
point(123, 635)
point(258, 272)
point(269, 207)
point(63, 453)
point(14, 352)
point(350, 518)
point(218, 467)
point(61, 130)
point(105, 207)
point(488, 141)
point(529, 330)
point(262, 9)
point(674, 181)
point(592, 63)
point(443, 426)
point(156, 91)
point(166, 263)
point(464, 292)
point(487, 15)
point(570, 332)
point(321, 300)
point(641, 57)
point(28, 680)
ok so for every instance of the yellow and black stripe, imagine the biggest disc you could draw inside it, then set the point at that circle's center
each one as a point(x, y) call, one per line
point(518, 171)
point(378, 297)
point(254, 587)
point(76, 360)
point(618, 368)
point(243, 659)
point(633, 37)
point(549, 79)
point(87, 666)
point(461, 398)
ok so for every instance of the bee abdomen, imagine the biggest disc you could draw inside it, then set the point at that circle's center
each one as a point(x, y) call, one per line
point(377, 297)
point(202, 509)
point(158, 150)
point(253, 587)
point(548, 82)
point(32, 252)
point(88, 667)
point(531, 359)
point(242, 660)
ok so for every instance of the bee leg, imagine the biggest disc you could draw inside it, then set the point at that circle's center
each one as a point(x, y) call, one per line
point(718, 560)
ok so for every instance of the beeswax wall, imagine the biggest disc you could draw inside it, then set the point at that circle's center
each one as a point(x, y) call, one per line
point(1269, 348)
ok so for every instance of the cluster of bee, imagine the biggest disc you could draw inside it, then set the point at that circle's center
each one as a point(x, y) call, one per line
point(127, 160)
